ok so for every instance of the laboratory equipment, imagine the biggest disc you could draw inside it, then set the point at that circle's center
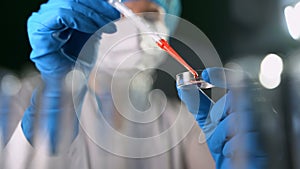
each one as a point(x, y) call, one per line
point(144, 27)
point(187, 78)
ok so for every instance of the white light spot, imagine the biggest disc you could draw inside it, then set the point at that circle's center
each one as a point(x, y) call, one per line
point(292, 17)
point(10, 85)
point(269, 82)
point(271, 65)
point(234, 66)
point(270, 71)
point(75, 80)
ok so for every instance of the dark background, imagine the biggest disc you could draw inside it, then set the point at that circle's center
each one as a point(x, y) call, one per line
point(15, 46)
point(235, 27)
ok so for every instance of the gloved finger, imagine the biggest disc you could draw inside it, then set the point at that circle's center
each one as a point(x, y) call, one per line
point(242, 122)
point(102, 7)
point(247, 144)
point(56, 16)
point(196, 102)
point(63, 18)
point(224, 78)
point(209, 121)
point(53, 43)
point(87, 7)
point(256, 163)
point(223, 132)
point(238, 163)
point(225, 163)
point(221, 108)
point(229, 105)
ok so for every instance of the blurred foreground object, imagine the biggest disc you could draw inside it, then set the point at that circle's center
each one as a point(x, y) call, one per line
point(292, 17)
point(229, 125)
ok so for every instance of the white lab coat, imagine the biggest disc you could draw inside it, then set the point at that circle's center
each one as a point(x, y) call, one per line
point(85, 153)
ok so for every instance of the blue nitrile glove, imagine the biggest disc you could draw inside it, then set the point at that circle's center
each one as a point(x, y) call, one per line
point(57, 32)
point(4, 117)
point(231, 134)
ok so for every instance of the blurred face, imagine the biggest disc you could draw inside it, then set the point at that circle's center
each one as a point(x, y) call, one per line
point(124, 61)
point(128, 51)
point(140, 6)
point(127, 57)
point(144, 6)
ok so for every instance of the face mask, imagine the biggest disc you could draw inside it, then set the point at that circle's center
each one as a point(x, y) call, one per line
point(128, 55)
point(129, 48)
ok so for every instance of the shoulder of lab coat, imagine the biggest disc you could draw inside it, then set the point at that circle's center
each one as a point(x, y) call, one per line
point(17, 150)
point(20, 154)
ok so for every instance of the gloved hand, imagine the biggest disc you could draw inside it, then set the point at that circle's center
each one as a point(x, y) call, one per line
point(231, 133)
point(57, 32)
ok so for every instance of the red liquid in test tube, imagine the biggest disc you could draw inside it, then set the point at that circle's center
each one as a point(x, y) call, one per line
point(163, 44)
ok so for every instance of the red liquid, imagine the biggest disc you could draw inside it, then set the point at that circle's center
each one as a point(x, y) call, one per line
point(166, 46)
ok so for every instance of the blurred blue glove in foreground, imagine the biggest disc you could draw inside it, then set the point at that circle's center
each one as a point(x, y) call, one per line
point(228, 124)
point(4, 118)
point(57, 32)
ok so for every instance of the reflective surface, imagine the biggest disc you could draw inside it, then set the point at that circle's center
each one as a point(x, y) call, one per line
point(187, 78)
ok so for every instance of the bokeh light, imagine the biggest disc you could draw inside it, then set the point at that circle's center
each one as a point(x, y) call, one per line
point(270, 71)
